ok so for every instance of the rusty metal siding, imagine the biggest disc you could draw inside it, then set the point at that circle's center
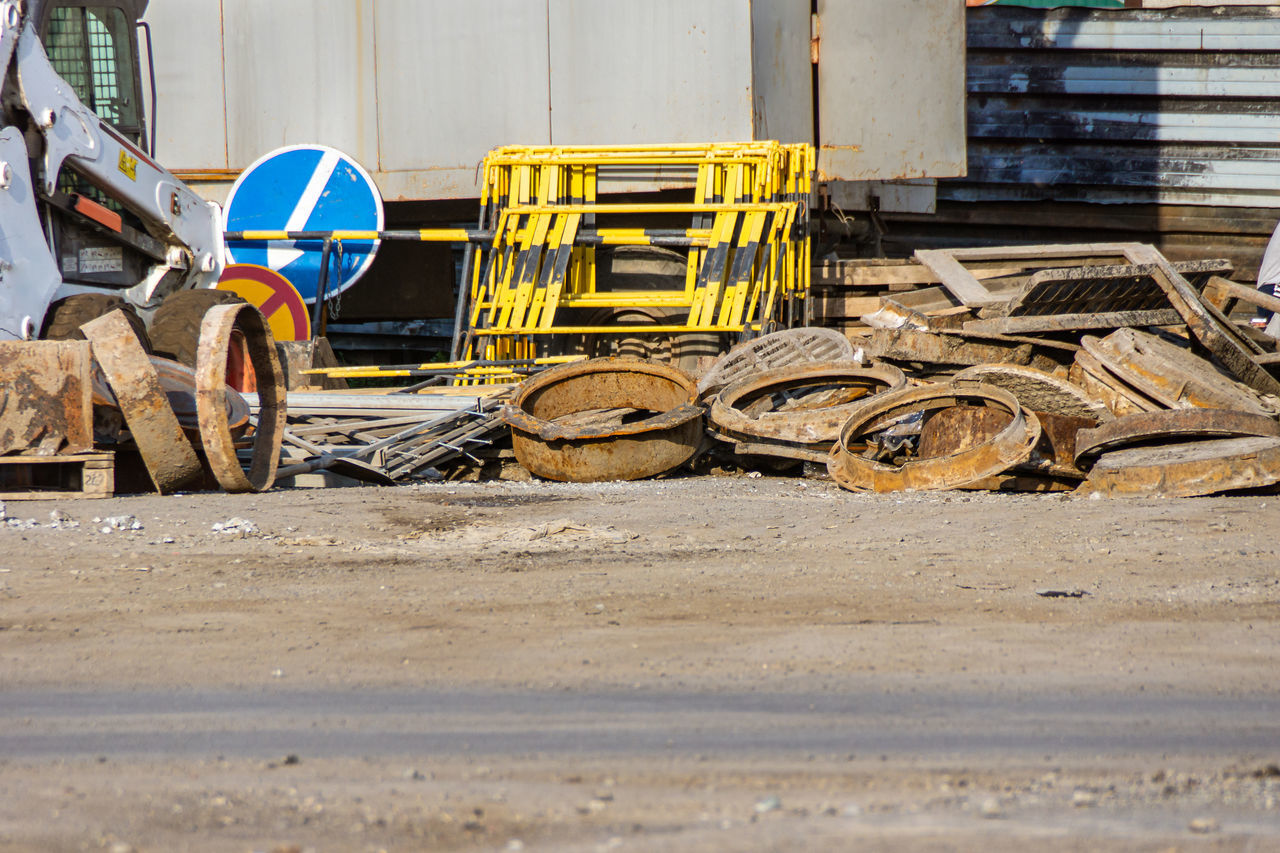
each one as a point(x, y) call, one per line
point(1176, 106)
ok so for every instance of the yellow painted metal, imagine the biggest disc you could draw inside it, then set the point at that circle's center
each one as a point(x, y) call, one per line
point(748, 258)
point(467, 368)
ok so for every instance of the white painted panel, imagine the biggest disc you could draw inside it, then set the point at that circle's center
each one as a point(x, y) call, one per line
point(456, 79)
point(189, 121)
point(299, 71)
point(654, 71)
point(783, 85)
point(891, 89)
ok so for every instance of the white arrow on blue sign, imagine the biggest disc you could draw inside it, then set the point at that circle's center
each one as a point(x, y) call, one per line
point(304, 188)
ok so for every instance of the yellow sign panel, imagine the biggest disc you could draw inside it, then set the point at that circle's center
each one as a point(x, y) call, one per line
point(277, 299)
point(128, 165)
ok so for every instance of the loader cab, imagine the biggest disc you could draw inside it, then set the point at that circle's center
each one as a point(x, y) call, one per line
point(94, 47)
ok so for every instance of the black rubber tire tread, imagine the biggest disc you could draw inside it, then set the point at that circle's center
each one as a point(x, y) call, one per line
point(650, 268)
point(64, 318)
point(175, 329)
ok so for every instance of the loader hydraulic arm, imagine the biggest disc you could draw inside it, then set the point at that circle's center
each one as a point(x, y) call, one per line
point(47, 129)
point(73, 134)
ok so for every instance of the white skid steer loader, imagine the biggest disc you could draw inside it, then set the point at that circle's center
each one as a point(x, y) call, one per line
point(89, 222)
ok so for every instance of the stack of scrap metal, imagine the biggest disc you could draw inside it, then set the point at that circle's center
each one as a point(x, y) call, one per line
point(1085, 337)
point(71, 410)
point(1100, 368)
point(388, 437)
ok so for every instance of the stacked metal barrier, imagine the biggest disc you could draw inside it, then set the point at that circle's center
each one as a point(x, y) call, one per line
point(744, 229)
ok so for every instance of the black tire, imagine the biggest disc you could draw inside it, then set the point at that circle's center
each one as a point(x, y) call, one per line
point(64, 318)
point(648, 268)
point(175, 329)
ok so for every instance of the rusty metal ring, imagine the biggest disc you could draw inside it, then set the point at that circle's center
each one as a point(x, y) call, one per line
point(211, 389)
point(592, 452)
point(1011, 446)
point(802, 426)
point(1170, 426)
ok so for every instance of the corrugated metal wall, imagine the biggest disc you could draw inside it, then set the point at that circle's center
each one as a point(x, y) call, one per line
point(1164, 121)
point(1176, 106)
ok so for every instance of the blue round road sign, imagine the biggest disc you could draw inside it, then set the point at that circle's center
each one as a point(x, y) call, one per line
point(304, 188)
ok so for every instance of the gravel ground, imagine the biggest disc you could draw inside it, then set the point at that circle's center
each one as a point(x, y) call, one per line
point(711, 663)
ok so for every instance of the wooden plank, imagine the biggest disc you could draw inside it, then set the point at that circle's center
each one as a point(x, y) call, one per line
point(80, 475)
point(1224, 291)
point(1048, 250)
point(844, 306)
point(1071, 322)
point(955, 277)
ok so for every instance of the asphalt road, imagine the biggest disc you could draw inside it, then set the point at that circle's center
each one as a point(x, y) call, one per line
point(928, 723)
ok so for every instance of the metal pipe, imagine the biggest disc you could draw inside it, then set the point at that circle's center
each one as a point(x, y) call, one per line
point(322, 286)
point(666, 237)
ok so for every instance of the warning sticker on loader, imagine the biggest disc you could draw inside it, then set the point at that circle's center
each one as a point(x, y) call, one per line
point(129, 166)
point(101, 260)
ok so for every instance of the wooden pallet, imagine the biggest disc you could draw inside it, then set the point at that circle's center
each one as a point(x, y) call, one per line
point(82, 475)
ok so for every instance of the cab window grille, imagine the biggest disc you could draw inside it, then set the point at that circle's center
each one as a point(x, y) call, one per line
point(91, 48)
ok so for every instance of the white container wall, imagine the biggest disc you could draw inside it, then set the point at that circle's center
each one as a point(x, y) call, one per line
point(419, 90)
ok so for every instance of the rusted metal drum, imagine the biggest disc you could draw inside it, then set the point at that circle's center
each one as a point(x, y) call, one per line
point(593, 450)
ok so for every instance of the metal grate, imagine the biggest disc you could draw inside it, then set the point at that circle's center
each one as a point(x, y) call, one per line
point(88, 47)
point(67, 47)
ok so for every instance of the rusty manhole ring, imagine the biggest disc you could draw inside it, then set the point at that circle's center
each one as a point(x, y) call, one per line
point(1039, 390)
point(1171, 426)
point(817, 400)
point(1011, 446)
point(587, 452)
point(1186, 470)
point(216, 331)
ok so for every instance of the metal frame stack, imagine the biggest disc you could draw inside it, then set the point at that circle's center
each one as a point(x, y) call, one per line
point(745, 231)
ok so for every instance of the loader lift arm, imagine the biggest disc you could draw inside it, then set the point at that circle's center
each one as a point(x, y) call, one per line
point(44, 114)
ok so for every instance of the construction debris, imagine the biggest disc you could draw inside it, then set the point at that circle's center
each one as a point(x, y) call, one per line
point(170, 459)
point(1167, 366)
point(796, 412)
point(1103, 369)
point(991, 434)
point(605, 419)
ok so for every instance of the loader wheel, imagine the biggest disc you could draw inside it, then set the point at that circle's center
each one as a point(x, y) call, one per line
point(175, 329)
point(64, 318)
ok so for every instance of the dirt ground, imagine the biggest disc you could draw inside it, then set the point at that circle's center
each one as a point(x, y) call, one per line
point(712, 663)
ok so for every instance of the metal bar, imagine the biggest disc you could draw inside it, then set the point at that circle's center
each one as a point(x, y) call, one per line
point(666, 237)
point(611, 330)
point(322, 285)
